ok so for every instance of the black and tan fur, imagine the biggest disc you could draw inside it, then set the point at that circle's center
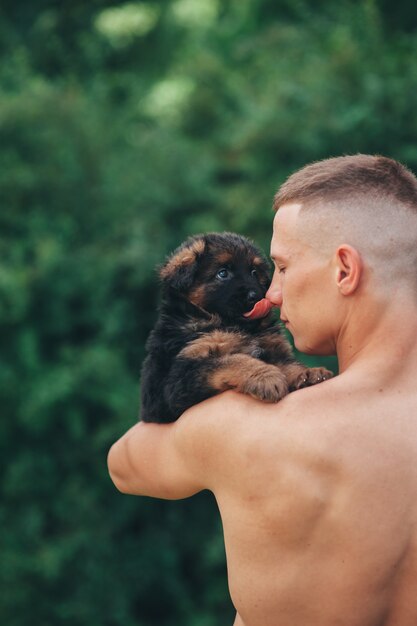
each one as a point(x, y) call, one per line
point(202, 344)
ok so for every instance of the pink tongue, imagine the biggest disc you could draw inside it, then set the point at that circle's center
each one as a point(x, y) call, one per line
point(261, 309)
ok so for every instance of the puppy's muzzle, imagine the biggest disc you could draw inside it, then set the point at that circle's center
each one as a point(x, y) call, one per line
point(252, 296)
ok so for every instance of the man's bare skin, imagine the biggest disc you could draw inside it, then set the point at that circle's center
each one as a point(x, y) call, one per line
point(317, 494)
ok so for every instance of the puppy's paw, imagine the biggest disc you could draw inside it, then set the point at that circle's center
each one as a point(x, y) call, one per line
point(311, 376)
point(265, 383)
point(201, 348)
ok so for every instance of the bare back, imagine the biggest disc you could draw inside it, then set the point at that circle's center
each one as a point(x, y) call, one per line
point(320, 523)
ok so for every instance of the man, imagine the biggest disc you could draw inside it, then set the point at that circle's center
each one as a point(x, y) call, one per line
point(318, 493)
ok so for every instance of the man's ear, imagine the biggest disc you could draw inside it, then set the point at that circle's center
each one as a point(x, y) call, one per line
point(179, 270)
point(349, 268)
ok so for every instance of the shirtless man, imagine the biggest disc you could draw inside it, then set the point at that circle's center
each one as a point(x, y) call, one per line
point(318, 493)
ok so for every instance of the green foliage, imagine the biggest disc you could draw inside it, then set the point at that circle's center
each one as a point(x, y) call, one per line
point(124, 128)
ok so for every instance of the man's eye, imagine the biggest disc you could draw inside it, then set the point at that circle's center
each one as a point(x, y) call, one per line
point(223, 273)
point(281, 270)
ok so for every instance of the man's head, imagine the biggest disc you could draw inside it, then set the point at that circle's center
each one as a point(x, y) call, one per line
point(349, 227)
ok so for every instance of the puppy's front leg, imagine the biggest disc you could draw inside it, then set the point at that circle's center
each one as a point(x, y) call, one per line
point(249, 375)
point(226, 360)
point(192, 380)
point(277, 350)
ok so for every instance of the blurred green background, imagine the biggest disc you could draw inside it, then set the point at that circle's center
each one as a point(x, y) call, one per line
point(125, 127)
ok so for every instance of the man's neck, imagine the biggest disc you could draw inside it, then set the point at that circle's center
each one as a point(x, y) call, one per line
point(383, 336)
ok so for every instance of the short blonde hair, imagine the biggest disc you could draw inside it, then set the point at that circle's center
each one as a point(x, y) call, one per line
point(363, 175)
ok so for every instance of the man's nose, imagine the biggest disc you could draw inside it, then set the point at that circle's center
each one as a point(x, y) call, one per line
point(274, 293)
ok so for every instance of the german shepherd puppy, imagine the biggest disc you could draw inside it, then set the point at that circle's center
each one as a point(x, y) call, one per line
point(215, 331)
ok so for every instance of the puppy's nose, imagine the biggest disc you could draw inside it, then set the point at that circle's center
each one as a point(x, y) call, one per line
point(252, 296)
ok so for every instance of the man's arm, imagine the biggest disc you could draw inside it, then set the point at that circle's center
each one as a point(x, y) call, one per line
point(148, 461)
point(176, 460)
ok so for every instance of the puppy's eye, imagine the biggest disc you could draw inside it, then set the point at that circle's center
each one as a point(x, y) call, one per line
point(254, 273)
point(223, 273)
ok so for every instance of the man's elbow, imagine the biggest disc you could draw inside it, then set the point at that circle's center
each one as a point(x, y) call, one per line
point(116, 470)
point(120, 484)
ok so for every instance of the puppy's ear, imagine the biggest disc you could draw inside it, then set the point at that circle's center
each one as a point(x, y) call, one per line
point(180, 269)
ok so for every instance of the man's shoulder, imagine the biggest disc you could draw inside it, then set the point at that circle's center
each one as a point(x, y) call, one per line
point(217, 432)
point(232, 413)
point(220, 420)
point(227, 429)
point(228, 437)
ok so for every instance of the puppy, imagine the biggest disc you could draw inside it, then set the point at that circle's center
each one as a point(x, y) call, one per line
point(215, 331)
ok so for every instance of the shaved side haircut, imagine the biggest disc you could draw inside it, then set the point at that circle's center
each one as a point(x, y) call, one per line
point(361, 174)
point(369, 202)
